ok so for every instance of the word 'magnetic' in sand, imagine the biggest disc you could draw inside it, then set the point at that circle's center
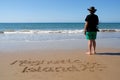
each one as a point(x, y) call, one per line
point(41, 62)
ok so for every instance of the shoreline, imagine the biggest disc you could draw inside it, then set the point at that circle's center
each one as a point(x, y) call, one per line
point(70, 45)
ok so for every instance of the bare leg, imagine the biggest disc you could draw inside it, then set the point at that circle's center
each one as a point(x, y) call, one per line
point(89, 47)
point(94, 46)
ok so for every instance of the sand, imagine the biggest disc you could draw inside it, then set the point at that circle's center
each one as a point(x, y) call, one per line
point(33, 62)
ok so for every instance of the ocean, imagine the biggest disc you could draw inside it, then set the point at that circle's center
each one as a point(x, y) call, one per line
point(53, 31)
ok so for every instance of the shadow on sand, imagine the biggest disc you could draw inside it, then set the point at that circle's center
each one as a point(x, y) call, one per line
point(109, 53)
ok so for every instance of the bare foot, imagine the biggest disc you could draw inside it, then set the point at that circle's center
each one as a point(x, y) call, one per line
point(88, 53)
point(94, 53)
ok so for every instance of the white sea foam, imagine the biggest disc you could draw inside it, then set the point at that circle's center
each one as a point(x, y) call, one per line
point(52, 31)
point(41, 31)
point(51, 35)
point(109, 30)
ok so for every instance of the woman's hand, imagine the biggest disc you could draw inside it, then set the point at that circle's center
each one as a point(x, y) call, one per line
point(84, 32)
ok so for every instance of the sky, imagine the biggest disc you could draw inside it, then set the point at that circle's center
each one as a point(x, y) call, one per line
point(57, 10)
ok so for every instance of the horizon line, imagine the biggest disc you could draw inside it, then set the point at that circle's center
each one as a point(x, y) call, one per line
point(55, 22)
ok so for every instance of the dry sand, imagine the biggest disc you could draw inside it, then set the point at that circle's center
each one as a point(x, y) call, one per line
point(60, 65)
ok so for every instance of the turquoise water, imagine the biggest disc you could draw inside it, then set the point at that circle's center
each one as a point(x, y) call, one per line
point(41, 26)
point(53, 26)
point(53, 31)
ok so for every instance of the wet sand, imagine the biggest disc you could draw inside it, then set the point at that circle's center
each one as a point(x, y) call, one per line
point(61, 60)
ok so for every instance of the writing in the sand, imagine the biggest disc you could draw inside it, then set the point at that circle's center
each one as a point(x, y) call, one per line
point(65, 65)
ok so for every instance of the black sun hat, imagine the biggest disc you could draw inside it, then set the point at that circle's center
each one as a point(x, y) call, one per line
point(92, 9)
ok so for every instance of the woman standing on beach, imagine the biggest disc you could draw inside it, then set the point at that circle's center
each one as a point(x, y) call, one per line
point(90, 30)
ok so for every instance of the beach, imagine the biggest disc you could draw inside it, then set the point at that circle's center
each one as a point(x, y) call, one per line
point(61, 60)
point(48, 40)
point(57, 51)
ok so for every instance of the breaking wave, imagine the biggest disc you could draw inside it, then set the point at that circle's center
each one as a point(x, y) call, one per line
point(52, 31)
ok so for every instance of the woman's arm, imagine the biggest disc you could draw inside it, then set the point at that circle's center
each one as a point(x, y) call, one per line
point(85, 27)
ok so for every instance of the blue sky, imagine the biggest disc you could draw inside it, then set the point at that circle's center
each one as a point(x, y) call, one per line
point(57, 10)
